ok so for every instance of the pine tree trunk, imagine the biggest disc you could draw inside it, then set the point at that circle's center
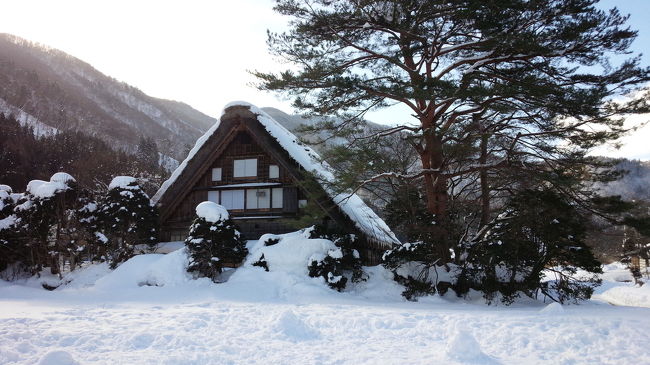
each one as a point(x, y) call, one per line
point(435, 182)
point(435, 187)
point(485, 187)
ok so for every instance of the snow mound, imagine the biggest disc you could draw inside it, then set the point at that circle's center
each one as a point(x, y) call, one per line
point(86, 276)
point(553, 308)
point(293, 328)
point(292, 253)
point(628, 295)
point(211, 211)
point(288, 276)
point(617, 272)
point(463, 347)
point(148, 270)
point(123, 182)
point(57, 358)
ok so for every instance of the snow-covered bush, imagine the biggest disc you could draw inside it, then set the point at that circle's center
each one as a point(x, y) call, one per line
point(338, 265)
point(41, 227)
point(213, 242)
point(90, 231)
point(127, 219)
point(409, 264)
point(8, 227)
point(46, 232)
point(536, 246)
point(539, 236)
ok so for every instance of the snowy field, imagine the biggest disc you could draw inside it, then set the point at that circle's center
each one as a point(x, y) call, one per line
point(149, 311)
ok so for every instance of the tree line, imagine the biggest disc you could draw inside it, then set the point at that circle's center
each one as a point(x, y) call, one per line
point(59, 225)
point(25, 156)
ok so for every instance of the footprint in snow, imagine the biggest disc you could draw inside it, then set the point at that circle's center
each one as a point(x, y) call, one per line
point(142, 341)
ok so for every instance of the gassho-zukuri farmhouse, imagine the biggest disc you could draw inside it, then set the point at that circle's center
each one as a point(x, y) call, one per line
point(255, 168)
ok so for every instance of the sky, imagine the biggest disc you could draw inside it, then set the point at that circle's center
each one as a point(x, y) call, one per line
point(200, 51)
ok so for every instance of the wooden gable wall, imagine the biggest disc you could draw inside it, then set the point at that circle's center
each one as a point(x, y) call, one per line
point(242, 146)
point(240, 136)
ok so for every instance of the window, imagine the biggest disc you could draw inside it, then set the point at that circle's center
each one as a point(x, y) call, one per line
point(277, 198)
point(245, 168)
point(216, 174)
point(213, 196)
point(232, 199)
point(302, 203)
point(274, 172)
point(177, 236)
point(258, 198)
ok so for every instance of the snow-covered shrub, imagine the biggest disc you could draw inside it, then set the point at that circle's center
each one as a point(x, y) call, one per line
point(8, 227)
point(7, 203)
point(90, 231)
point(338, 265)
point(47, 230)
point(127, 219)
point(213, 242)
point(535, 246)
point(409, 264)
point(538, 237)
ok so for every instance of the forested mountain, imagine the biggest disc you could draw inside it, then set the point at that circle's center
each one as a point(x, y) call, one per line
point(51, 90)
point(24, 156)
point(635, 182)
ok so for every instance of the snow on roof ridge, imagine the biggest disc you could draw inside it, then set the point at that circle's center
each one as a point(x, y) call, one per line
point(197, 146)
point(351, 204)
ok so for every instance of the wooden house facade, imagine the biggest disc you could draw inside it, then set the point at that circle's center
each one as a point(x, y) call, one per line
point(254, 167)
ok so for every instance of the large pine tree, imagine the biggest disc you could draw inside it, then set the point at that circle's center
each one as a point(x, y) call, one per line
point(501, 92)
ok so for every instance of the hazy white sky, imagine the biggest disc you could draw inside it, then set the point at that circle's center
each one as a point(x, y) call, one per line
point(198, 51)
point(193, 51)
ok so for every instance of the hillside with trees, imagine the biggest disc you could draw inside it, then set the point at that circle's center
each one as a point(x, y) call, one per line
point(25, 156)
point(53, 91)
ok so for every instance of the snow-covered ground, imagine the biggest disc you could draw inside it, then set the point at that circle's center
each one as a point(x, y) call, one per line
point(149, 311)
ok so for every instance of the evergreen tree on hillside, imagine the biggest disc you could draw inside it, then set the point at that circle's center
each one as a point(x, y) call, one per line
point(147, 153)
point(213, 242)
point(128, 219)
point(25, 157)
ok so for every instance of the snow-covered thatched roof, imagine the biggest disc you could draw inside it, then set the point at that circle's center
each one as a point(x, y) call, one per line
point(364, 218)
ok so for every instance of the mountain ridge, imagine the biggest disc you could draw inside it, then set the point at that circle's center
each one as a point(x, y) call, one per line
point(51, 88)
